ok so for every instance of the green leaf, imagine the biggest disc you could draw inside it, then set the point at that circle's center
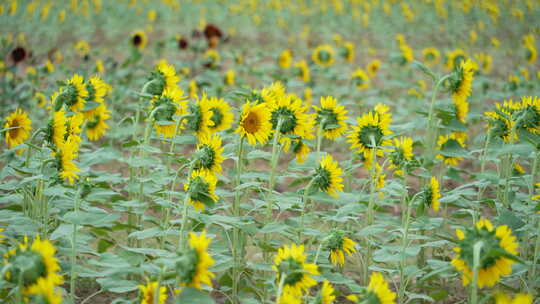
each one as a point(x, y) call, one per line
point(193, 296)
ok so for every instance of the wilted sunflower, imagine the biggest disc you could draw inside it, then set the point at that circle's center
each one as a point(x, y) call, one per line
point(326, 295)
point(291, 262)
point(20, 126)
point(373, 67)
point(96, 125)
point(431, 56)
point(285, 59)
point(447, 141)
point(255, 124)
point(431, 195)
point(369, 134)
point(33, 263)
point(222, 116)
point(65, 156)
point(192, 268)
point(455, 58)
point(401, 153)
point(328, 176)
point(323, 55)
point(138, 39)
point(378, 291)
point(302, 71)
point(209, 154)
point(44, 291)
point(360, 79)
point(520, 298)
point(461, 86)
point(339, 245)
point(332, 117)
point(171, 103)
point(149, 295)
point(495, 256)
point(73, 94)
point(199, 119)
point(201, 188)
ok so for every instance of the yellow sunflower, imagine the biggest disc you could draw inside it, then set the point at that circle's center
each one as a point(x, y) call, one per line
point(493, 264)
point(82, 48)
point(432, 194)
point(407, 54)
point(348, 51)
point(65, 156)
point(500, 121)
point(212, 58)
point(369, 134)
point(165, 77)
point(452, 139)
point(149, 294)
point(19, 125)
point(41, 99)
point(285, 59)
point(360, 79)
point(328, 176)
point(255, 124)
point(326, 296)
point(49, 66)
point(209, 154)
point(195, 273)
point(378, 291)
point(520, 298)
point(294, 116)
point(461, 87)
point(530, 53)
point(74, 93)
point(529, 114)
point(486, 62)
point(96, 126)
point(455, 58)
point(229, 78)
point(97, 89)
point(288, 297)
point(222, 116)
point(44, 291)
point(302, 71)
point(301, 150)
point(339, 245)
point(323, 55)
point(373, 67)
point(332, 117)
point(431, 56)
point(199, 119)
point(57, 129)
point(401, 153)
point(138, 39)
point(171, 103)
point(201, 188)
point(291, 261)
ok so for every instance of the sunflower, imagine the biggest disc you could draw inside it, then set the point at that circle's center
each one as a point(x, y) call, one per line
point(57, 129)
point(73, 94)
point(486, 62)
point(100, 66)
point(96, 126)
point(323, 55)
point(528, 115)
point(201, 188)
point(378, 291)
point(1, 235)
point(163, 77)
point(347, 51)
point(339, 245)
point(44, 292)
point(34, 263)
point(293, 116)
point(209, 154)
point(369, 133)
point(373, 67)
point(229, 77)
point(138, 39)
point(332, 118)
point(288, 297)
point(513, 82)
point(19, 125)
point(82, 48)
point(193, 267)
point(97, 90)
point(291, 262)
point(326, 295)
point(302, 71)
point(255, 123)
point(401, 154)
point(461, 87)
point(66, 153)
point(432, 194)
point(193, 89)
point(199, 119)
point(148, 293)
point(520, 298)
point(221, 117)
point(530, 53)
point(308, 96)
point(499, 245)
point(455, 58)
point(500, 123)
point(285, 59)
point(360, 79)
point(451, 140)
point(431, 56)
point(328, 176)
point(41, 99)
point(211, 58)
point(407, 55)
point(49, 66)
point(300, 149)
point(171, 103)
point(73, 124)
point(272, 93)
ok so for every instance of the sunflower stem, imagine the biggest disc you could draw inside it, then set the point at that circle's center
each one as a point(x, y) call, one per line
point(483, 164)
point(476, 267)
point(73, 274)
point(369, 222)
point(185, 204)
point(305, 199)
point(280, 287)
point(237, 244)
point(404, 243)
point(272, 180)
point(532, 274)
point(431, 135)
point(320, 138)
point(534, 172)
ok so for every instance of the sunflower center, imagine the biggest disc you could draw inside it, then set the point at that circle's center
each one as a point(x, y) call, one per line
point(322, 179)
point(288, 119)
point(14, 133)
point(18, 54)
point(186, 266)
point(217, 117)
point(29, 265)
point(251, 123)
point(370, 135)
point(205, 158)
point(293, 269)
point(137, 40)
point(328, 118)
point(182, 44)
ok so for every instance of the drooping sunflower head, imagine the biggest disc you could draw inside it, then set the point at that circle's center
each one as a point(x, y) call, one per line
point(32, 263)
point(339, 245)
point(369, 134)
point(401, 154)
point(172, 102)
point(73, 94)
point(150, 292)
point(222, 116)
point(96, 124)
point(209, 154)
point(199, 119)
point(455, 58)
point(331, 117)
point(138, 39)
point(255, 124)
point(323, 55)
point(291, 261)
point(192, 267)
point(498, 247)
point(285, 59)
point(19, 125)
point(432, 194)
point(328, 176)
point(360, 79)
point(450, 142)
point(378, 291)
point(431, 56)
point(201, 188)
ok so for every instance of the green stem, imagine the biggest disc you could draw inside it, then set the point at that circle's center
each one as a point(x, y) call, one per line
point(237, 245)
point(431, 135)
point(483, 165)
point(534, 172)
point(73, 275)
point(305, 201)
point(185, 204)
point(476, 267)
point(532, 274)
point(272, 180)
point(370, 215)
point(319, 139)
point(280, 287)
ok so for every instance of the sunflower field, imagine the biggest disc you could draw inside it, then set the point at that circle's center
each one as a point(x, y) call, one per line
point(269, 151)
